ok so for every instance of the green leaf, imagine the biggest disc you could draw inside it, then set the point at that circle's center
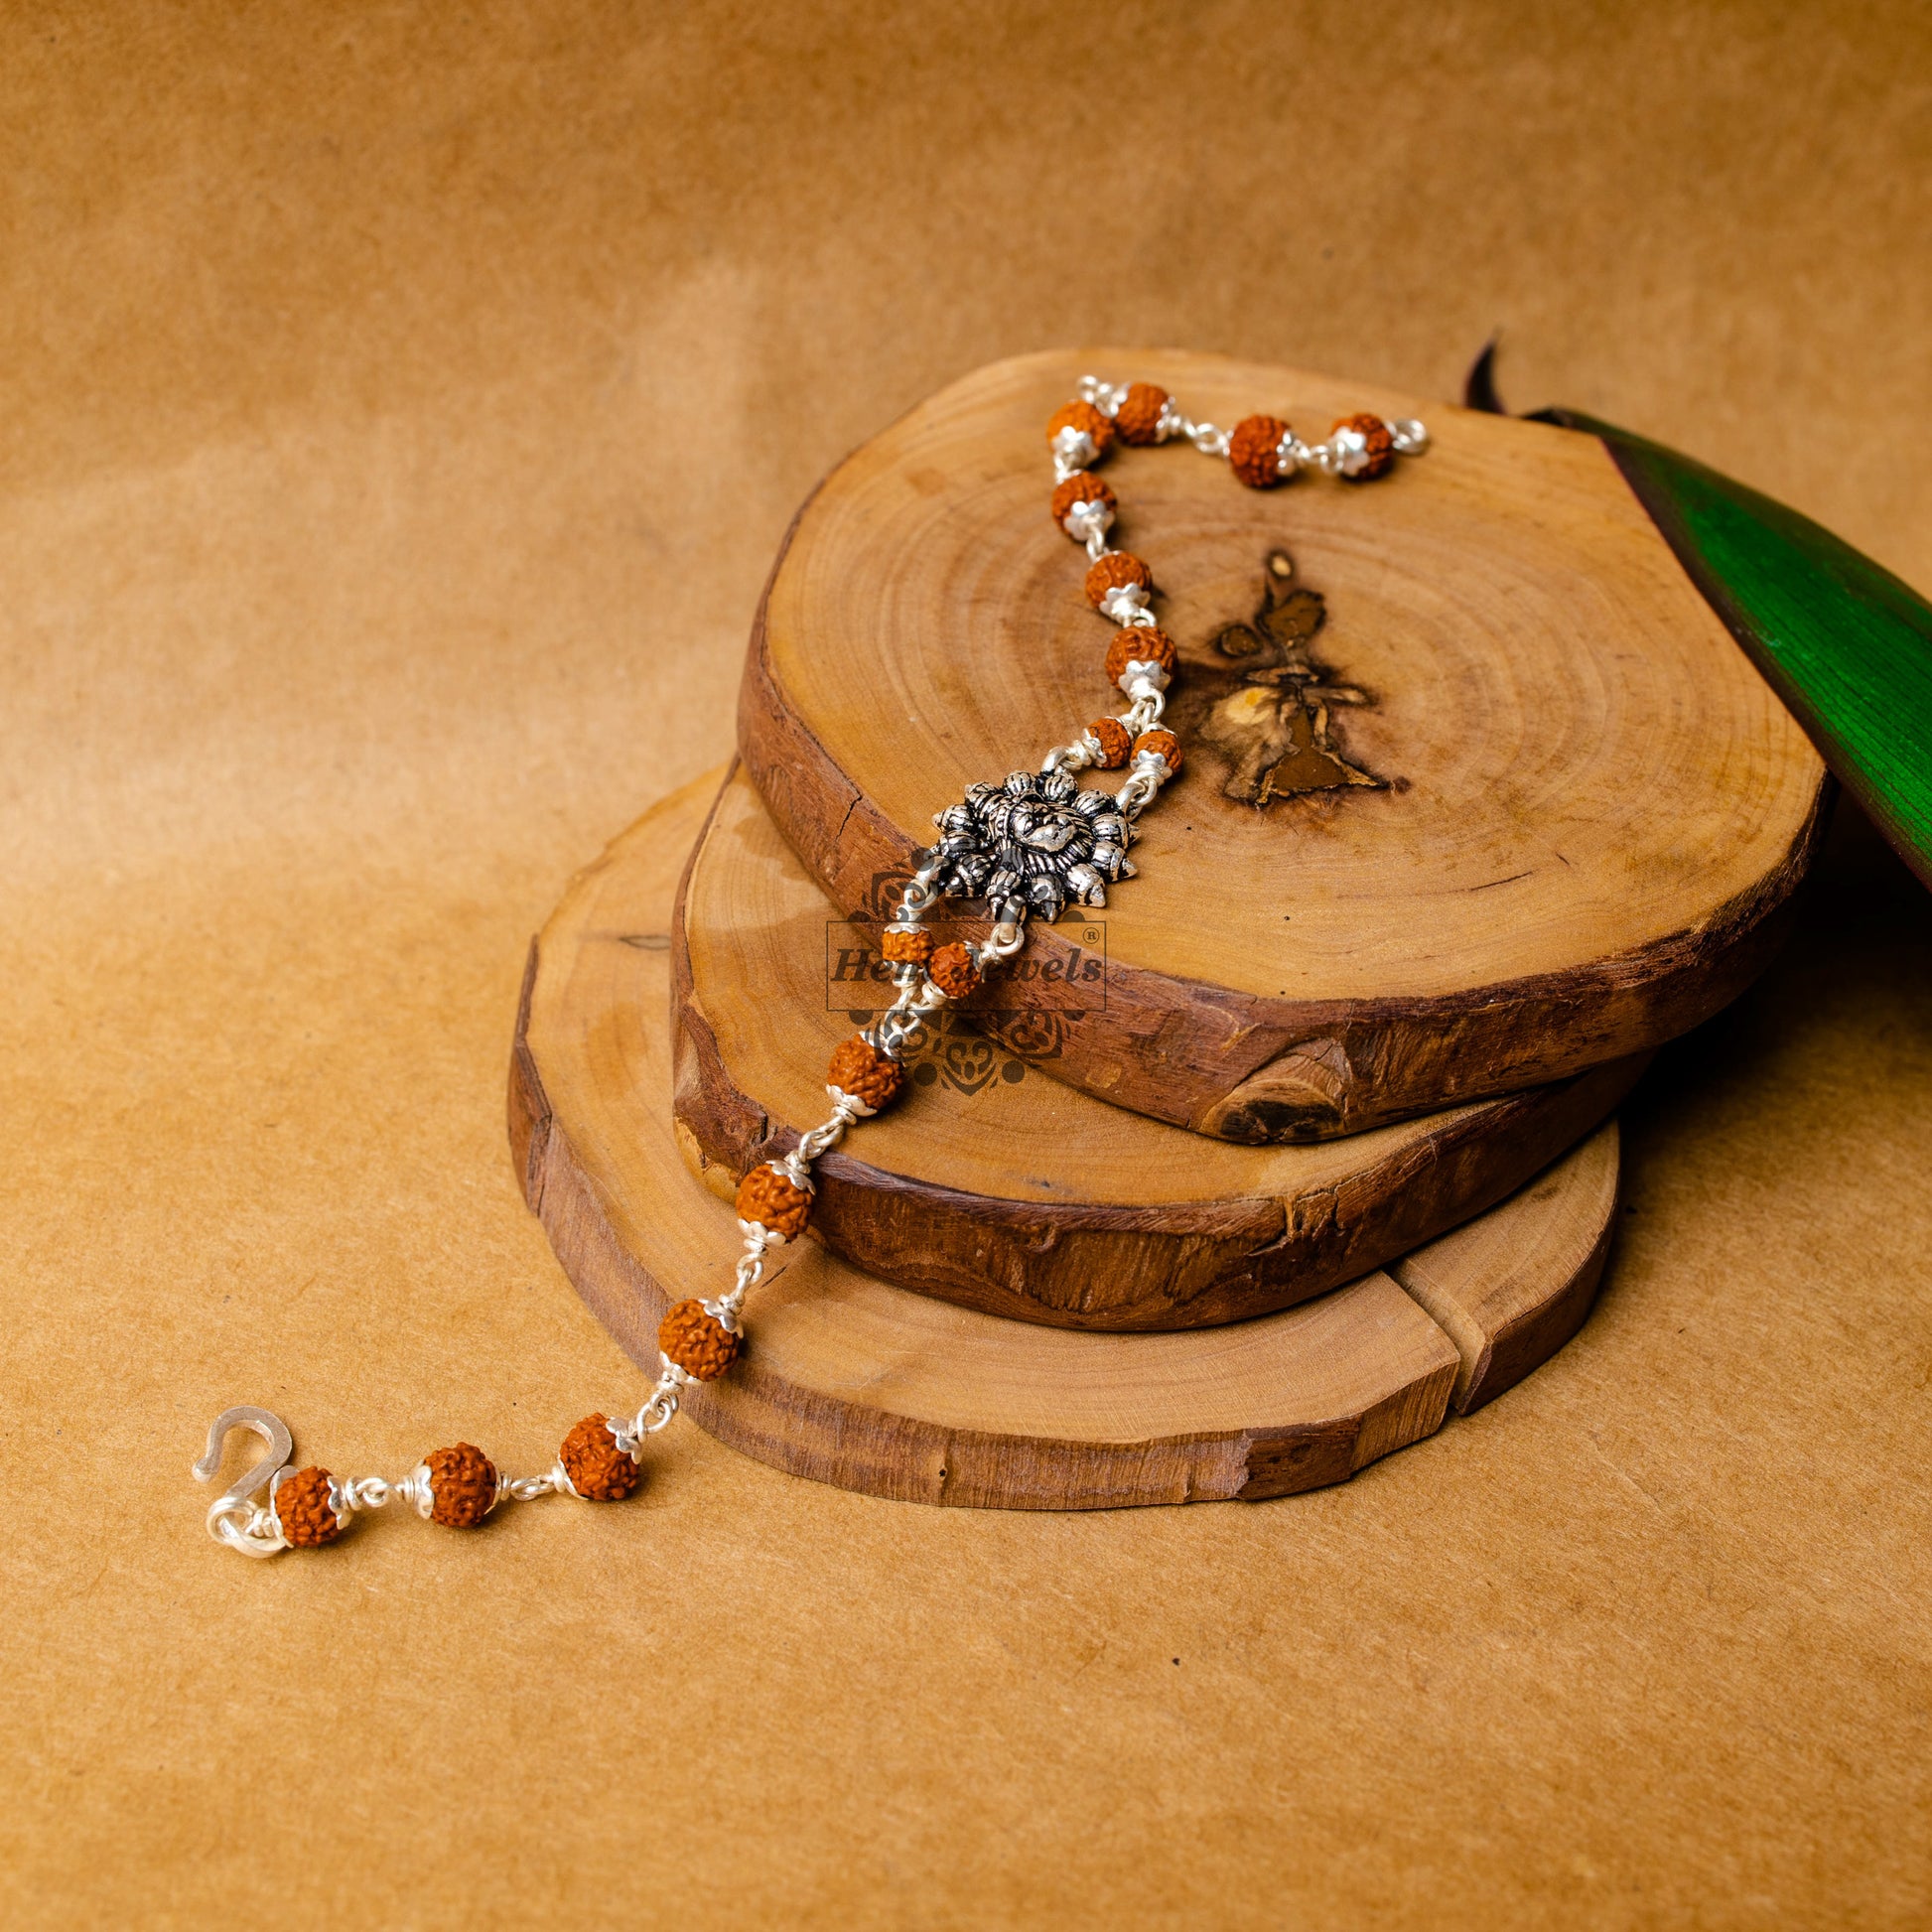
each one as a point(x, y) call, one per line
point(1844, 643)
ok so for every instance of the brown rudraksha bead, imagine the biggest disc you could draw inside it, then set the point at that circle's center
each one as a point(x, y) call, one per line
point(773, 1200)
point(870, 1077)
point(1084, 416)
point(1138, 419)
point(1113, 570)
point(953, 971)
point(698, 1342)
point(1138, 643)
point(462, 1486)
point(1254, 451)
point(1115, 745)
point(906, 946)
point(598, 1470)
point(1165, 743)
point(1379, 438)
point(303, 1509)
point(1083, 486)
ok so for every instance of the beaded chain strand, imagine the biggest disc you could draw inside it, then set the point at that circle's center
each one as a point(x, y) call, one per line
point(1029, 846)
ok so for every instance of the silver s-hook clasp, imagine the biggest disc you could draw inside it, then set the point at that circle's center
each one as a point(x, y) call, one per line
point(234, 1517)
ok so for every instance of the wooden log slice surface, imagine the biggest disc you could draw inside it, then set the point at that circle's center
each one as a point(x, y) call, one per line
point(878, 1389)
point(1518, 806)
point(1029, 1198)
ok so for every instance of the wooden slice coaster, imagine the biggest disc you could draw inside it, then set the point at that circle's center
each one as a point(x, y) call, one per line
point(1517, 808)
point(878, 1389)
point(1031, 1198)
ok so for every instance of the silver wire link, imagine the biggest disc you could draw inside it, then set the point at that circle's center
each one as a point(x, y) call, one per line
point(526, 1489)
point(660, 1407)
point(1208, 439)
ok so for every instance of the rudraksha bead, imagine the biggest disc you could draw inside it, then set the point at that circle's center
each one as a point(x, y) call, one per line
point(462, 1486)
point(906, 946)
point(1115, 745)
point(1254, 451)
point(1083, 486)
point(773, 1200)
point(303, 1509)
point(952, 971)
point(1376, 455)
point(1138, 643)
point(598, 1470)
point(870, 1077)
point(1085, 417)
point(697, 1342)
point(1138, 419)
point(1165, 743)
point(1111, 571)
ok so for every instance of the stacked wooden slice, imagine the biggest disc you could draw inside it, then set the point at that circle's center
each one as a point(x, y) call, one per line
point(1304, 1141)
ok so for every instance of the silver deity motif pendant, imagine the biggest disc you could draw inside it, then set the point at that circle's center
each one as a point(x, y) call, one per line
point(1032, 845)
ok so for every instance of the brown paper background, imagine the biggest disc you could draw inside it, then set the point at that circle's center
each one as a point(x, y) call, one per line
point(398, 408)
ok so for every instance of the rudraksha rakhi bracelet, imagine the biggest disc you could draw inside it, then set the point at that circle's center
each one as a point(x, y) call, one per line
point(1028, 847)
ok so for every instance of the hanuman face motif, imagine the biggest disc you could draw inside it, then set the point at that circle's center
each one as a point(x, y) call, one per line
point(1032, 845)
